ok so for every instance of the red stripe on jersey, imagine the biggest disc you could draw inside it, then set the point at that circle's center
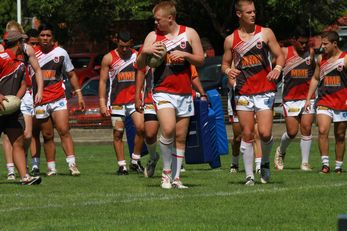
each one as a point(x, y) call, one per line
point(54, 89)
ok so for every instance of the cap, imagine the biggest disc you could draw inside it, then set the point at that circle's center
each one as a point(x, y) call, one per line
point(12, 36)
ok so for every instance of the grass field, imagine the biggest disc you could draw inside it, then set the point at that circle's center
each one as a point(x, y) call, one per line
point(216, 200)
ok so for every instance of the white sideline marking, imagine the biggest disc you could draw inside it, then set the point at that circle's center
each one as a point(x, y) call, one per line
point(156, 197)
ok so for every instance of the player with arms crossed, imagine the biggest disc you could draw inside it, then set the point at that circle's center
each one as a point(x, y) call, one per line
point(247, 60)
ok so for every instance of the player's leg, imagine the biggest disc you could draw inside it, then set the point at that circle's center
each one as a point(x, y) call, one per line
point(118, 131)
point(292, 128)
point(306, 140)
point(235, 146)
point(7, 147)
point(257, 149)
point(324, 122)
point(35, 149)
point(340, 134)
point(138, 121)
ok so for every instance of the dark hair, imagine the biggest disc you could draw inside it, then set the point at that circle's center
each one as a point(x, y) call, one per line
point(32, 33)
point(124, 35)
point(332, 36)
point(46, 26)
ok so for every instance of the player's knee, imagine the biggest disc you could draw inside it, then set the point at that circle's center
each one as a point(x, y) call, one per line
point(164, 140)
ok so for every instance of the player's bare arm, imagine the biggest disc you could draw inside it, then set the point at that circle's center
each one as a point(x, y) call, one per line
point(150, 47)
point(197, 56)
point(22, 89)
point(276, 50)
point(105, 66)
point(313, 84)
point(140, 79)
point(38, 73)
point(77, 90)
point(227, 62)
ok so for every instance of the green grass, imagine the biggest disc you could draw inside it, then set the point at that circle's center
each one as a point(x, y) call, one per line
point(216, 200)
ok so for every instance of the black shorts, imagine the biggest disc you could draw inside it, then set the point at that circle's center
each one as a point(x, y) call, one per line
point(12, 122)
point(150, 117)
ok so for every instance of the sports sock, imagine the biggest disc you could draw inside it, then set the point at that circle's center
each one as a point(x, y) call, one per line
point(177, 160)
point(325, 160)
point(235, 160)
point(71, 160)
point(257, 162)
point(152, 150)
point(135, 158)
point(122, 163)
point(246, 148)
point(35, 161)
point(305, 146)
point(338, 164)
point(285, 141)
point(266, 150)
point(10, 168)
point(51, 164)
point(166, 148)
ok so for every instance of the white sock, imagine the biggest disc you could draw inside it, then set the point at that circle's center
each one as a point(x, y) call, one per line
point(35, 162)
point(122, 163)
point(135, 158)
point(266, 150)
point(177, 160)
point(235, 160)
point(152, 150)
point(166, 148)
point(10, 168)
point(51, 165)
point(305, 146)
point(285, 141)
point(246, 148)
point(338, 164)
point(257, 162)
point(71, 160)
point(325, 160)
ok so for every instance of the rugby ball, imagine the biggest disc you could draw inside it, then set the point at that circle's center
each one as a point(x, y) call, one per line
point(11, 105)
point(153, 61)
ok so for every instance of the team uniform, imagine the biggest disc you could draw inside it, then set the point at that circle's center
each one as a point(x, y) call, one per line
point(121, 94)
point(172, 79)
point(332, 89)
point(232, 106)
point(148, 107)
point(12, 74)
point(297, 73)
point(253, 91)
point(53, 64)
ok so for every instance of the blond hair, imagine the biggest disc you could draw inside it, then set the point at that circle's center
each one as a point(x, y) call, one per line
point(169, 7)
point(14, 26)
point(238, 4)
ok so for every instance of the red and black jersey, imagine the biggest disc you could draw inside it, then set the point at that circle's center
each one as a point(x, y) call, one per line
point(53, 65)
point(332, 88)
point(12, 72)
point(148, 86)
point(174, 76)
point(297, 72)
point(122, 79)
point(253, 59)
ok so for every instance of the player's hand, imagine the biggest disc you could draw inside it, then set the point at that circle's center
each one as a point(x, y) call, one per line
point(203, 97)
point(104, 111)
point(2, 98)
point(38, 98)
point(273, 75)
point(232, 73)
point(138, 105)
point(155, 49)
point(178, 56)
point(307, 106)
point(81, 102)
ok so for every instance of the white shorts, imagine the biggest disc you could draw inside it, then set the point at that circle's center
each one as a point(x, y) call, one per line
point(183, 105)
point(27, 105)
point(122, 110)
point(296, 108)
point(336, 116)
point(233, 117)
point(44, 111)
point(255, 102)
point(149, 109)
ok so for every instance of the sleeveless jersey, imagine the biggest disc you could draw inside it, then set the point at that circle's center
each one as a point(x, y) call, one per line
point(297, 73)
point(53, 65)
point(122, 79)
point(12, 72)
point(171, 76)
point(148, 86)
point(253, 59)
point(332, 88)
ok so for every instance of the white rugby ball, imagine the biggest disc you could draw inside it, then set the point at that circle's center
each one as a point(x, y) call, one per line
point(153, 61)
point(11, 105)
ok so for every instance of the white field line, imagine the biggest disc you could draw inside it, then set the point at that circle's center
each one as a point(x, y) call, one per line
point(155, 197)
